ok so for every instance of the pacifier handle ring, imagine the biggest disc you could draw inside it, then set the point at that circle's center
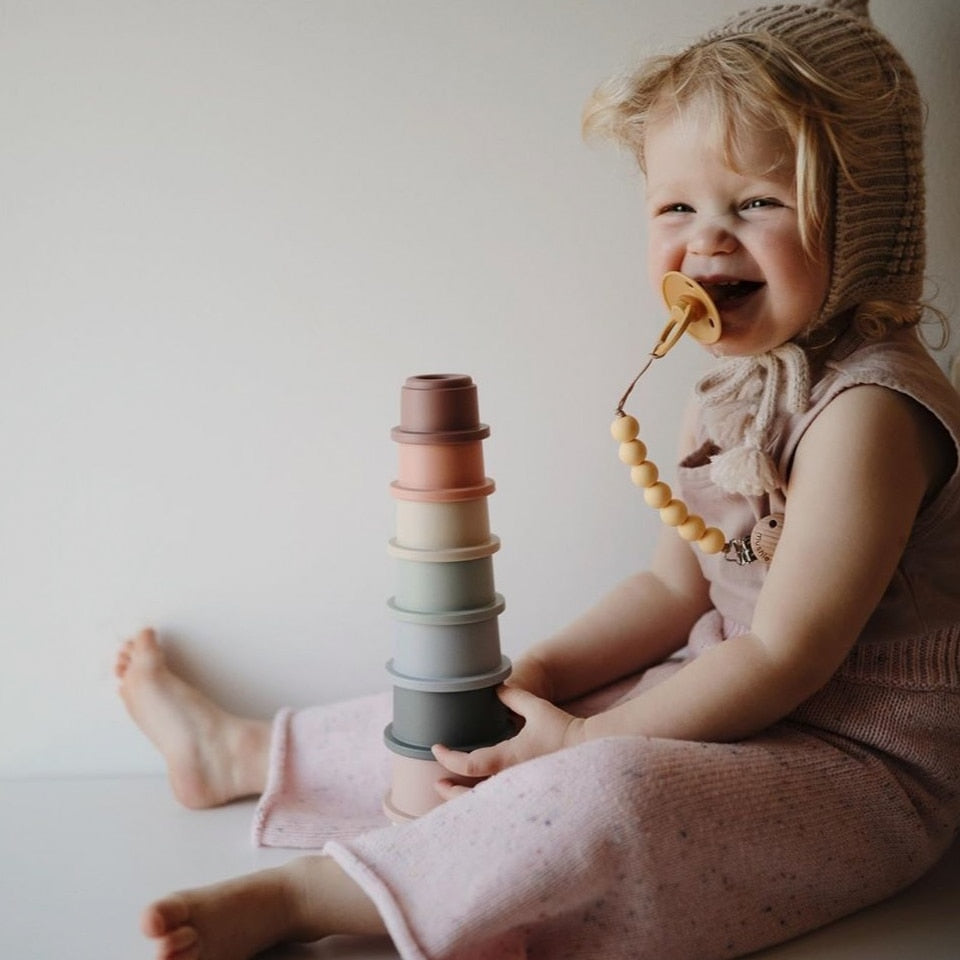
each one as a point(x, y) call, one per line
point(691, 311)
point(681, 317)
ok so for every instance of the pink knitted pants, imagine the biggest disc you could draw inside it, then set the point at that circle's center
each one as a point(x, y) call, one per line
point(630, 848)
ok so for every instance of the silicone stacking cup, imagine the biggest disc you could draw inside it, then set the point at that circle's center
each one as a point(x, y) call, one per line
point(412, 791)
point(432, 466)
point(432, 525)
point(443, 495)
point(427, 587)
point(439, 403)
point(446, 645)
point(461, 713)
point(458, 578)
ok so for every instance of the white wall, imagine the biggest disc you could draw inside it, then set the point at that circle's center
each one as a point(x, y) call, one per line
point(228, 232)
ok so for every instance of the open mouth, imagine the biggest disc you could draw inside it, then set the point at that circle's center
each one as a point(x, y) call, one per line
point(730, 293)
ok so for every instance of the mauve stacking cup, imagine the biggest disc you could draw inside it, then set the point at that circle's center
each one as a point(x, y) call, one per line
point(440, 403)
point(446, 663)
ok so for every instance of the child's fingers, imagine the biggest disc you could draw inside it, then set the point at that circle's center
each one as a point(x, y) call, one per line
point(452, 760)
point(518, 700)
point(448, 789)
point(483, 762)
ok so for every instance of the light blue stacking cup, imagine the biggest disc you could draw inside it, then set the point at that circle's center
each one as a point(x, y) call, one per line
point(447, 644)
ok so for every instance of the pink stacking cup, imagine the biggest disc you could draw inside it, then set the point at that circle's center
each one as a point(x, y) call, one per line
point(413, 787)
point(443, 494)
point(437, 466)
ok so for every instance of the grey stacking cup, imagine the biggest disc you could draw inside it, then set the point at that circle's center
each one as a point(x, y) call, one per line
point(461, 713)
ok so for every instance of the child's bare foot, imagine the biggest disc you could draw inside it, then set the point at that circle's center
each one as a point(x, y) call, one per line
point(227, 921)
point(304, 900)
point(212, 756)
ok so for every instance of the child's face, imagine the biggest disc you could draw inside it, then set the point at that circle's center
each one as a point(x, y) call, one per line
point(736, 233)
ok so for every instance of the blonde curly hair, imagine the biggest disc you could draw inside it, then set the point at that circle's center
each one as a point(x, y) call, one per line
point(850, 117)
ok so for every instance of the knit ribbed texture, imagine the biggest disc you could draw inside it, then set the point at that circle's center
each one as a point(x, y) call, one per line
point(858, 8)
point(878, 227)
point(912, 663)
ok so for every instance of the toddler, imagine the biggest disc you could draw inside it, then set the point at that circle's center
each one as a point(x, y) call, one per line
point(719, 755)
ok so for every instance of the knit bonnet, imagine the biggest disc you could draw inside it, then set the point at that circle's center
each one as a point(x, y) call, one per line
point(877, 243)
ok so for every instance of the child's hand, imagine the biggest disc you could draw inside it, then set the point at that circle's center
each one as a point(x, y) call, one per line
point(529, 673)
point(546, 728)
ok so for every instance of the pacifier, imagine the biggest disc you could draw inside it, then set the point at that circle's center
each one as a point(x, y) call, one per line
point(691, 311)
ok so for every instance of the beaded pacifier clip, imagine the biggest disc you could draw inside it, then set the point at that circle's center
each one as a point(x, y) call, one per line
point(691, 311)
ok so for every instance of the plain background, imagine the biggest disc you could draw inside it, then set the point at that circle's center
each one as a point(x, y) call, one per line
point(228, 232)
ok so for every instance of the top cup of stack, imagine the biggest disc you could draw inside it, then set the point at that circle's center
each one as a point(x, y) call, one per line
point(439, 408)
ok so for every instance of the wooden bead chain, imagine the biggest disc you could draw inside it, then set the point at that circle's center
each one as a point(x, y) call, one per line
point(656, 493)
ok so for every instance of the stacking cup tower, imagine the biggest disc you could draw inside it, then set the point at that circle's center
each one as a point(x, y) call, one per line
point(446, 662)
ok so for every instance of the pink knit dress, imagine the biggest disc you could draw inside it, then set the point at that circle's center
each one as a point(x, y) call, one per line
point(630, 848)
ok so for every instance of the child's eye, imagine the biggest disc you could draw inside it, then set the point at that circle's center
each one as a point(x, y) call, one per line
point(758, 203)
point(676, 208)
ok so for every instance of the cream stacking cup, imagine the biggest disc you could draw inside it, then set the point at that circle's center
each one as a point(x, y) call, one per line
point(435, 525)
point(446, 664)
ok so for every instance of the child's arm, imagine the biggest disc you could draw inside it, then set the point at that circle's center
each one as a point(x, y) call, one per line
point(641, 622)
point(860, 475)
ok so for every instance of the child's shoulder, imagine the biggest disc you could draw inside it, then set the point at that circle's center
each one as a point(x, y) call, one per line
point(899, 362)
point(892, 395)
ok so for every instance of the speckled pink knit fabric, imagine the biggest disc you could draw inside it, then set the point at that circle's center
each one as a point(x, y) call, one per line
point(635, 848)
point(631, 848)
point(328, 774)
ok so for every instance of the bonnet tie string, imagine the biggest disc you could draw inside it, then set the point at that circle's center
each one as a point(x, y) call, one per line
point(742, 399)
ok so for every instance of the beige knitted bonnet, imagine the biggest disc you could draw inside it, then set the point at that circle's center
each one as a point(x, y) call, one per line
point(878, 211)
point(877, 241)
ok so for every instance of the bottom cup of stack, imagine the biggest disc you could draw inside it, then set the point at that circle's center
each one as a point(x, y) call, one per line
point(413, 786)
point(463, 713)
